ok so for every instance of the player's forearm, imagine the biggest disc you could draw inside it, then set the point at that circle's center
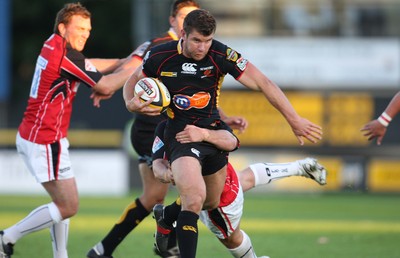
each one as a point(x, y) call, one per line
point(254, 79)
point(106, 65)
point(394, 106)
point(390, 112)
point(279, 101)
point(128, 90)
point(110, 83)
point(130, 63)
point(222, 139)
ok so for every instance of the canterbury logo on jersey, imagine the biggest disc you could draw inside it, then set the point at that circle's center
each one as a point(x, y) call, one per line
point(198, 100)
point(189, 228)
point(189, 68)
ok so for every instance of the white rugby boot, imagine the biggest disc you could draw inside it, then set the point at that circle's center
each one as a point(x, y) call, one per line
point(310, 168)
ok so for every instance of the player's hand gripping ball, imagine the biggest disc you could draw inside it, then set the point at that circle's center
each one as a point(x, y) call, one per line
point(153, 88)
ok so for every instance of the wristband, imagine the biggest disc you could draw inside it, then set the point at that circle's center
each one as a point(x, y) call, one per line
point(384, 119)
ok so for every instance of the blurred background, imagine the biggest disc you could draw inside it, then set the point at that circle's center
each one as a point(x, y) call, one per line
point(338, 61)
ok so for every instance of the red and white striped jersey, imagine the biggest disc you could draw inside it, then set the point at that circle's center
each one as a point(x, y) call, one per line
point(58, 73)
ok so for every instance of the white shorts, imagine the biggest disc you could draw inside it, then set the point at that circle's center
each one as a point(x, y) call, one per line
point(224, 220)
point(46, 162)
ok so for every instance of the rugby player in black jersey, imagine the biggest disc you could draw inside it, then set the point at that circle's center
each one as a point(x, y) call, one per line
point(142, 132)
point(193, 69)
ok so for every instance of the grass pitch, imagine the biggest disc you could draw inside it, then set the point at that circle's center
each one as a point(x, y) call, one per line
point(350, 225)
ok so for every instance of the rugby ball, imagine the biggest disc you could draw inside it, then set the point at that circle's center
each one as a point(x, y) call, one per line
point(153, 88)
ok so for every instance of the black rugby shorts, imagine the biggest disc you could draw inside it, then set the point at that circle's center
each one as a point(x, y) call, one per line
point(210, 158)
point(142, 141)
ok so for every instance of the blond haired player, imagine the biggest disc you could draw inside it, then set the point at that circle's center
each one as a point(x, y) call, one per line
point(42, 135)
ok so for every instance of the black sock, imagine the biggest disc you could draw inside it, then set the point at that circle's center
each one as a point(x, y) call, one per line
point(134, 214)
point(187, 233)
point(172, 211)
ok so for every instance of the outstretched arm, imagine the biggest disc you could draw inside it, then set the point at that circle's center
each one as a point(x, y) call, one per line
point(107, 65)
point(111, 82)
point(301, 127)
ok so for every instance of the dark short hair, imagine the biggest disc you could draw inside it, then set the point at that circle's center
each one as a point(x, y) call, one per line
point(200, 20)
point(177, 5)
point(69, 10)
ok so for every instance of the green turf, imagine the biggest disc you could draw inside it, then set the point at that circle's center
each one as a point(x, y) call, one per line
point(350, 225)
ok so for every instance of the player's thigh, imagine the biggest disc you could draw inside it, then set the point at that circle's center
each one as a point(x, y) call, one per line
point(189, 182)
point(214, 186)
point(62, 190)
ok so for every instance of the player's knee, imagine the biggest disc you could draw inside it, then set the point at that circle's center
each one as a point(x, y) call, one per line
point(73, 210)
point(69, 209)
point(148, 202)
point(193, 203)
point(210, 204)
point(234, 240)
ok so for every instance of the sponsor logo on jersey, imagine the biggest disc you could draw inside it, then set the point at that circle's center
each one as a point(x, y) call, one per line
point(189, 68)
point(241, 63)
point(207, 73)
point(89, 66)
point(232, 55)
point(169, 74)
point(207, 68)
point(157, 144)
point(199, 100)
point(189, 228)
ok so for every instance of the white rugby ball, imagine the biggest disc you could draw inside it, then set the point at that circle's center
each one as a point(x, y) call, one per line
point(154, 88)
